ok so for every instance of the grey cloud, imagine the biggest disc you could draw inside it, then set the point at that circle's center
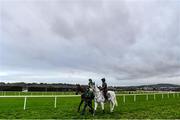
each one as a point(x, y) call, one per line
point(122, 40)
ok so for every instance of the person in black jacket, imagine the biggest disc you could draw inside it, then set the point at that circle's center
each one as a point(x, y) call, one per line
point(104, 88)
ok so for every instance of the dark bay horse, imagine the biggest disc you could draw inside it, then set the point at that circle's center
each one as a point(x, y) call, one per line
point(86, 97)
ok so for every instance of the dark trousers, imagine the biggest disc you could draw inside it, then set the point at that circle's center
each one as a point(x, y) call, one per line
point(105, 94)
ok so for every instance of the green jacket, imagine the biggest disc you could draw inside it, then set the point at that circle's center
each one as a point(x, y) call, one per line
point(90, 84)
point(89, 94)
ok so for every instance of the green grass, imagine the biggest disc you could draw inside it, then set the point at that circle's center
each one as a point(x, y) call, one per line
point(43, 108)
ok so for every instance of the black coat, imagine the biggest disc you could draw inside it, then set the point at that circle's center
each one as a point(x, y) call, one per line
point(104, 86)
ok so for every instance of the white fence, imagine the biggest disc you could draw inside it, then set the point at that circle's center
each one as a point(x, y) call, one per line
point(40, 96)
point(174, 94)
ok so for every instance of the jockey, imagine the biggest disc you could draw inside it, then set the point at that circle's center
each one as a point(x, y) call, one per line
point(90, 83)
point(104, 88)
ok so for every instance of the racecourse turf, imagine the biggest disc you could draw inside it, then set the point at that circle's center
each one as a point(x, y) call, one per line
point(43, 108)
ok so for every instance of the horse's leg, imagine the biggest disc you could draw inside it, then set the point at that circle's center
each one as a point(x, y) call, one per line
point(110, 104)
point(83, 111)
point(113, 104)
point(90, 106)
point(102, 105)
point(95, 107)
point(80, 105)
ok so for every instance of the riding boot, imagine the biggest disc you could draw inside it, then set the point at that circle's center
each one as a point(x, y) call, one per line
point(106, 98)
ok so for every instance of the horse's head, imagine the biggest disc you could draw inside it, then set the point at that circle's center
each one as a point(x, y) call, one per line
point(79, 89)
point(95, 88)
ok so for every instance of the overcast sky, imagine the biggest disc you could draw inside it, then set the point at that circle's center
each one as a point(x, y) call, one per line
point(129, 42)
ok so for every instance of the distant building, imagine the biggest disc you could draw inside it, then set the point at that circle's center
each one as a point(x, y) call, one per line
point(148, 89)
point(25, 89)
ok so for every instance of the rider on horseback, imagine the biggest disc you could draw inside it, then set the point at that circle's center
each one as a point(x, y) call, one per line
point(90, 84)
point(104, 88)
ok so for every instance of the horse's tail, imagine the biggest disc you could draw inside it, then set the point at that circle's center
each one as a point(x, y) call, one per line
point(116, 103)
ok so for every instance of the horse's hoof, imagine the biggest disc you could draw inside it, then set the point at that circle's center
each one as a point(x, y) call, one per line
point(103, 111)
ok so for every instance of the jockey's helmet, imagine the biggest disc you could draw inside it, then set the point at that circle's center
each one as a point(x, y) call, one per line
point(103, 79)
point(90, 80)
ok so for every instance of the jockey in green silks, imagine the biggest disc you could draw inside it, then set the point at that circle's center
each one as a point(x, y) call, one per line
point(90, 84)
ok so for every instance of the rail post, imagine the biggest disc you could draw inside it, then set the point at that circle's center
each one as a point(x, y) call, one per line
point(162, 96)
point(134, 98)
point(25, 100)
point(168, 94)
point(124, 98)
point(174, 95)
point(55, 100)
point(147, 97)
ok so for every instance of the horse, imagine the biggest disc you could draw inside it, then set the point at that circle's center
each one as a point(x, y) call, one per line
point(80, 90)
point(84, 98)
point(99, 99)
